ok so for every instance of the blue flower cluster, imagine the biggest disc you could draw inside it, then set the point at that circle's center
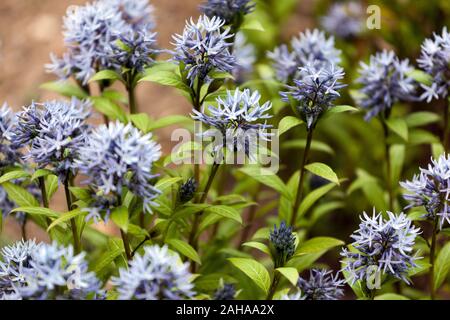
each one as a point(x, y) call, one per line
point(91, 30)
point(226, 292)
point(45, 271)
point(236, 118)
point(345, 20)
point(54, 132)
point(114, 157)
point(385, 81)
point(431, 189)
point(158, 274)
point(435, 60)
point(309, 49)
point(282, 241)
point(9, 154)
point(314, 92)
point(204, 47)
point(383, 245)
point(230, 11)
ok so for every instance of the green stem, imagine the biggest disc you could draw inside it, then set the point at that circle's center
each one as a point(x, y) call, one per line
point(388, 165)
point(301, 178)
point(432, 259)
point(44, 197)
point(446, 133)
point(132, 96)
point(273, 286)
point(73, 223)
point(193, 239)
point(197, 105)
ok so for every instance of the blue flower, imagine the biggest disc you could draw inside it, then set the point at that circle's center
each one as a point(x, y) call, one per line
point(230, 11)
point(15, 260)
point(314, 91)
point(9, 154)
point(237, 119)
point(345, 20)
point(54, 131)
point(138, 14)
point(282, 241)
point(431, 189)
point(114, 157)
point(226, 292)
point(203, 47)
point(156, 275)
point(435, 60)
point(187, 190)
point(385, 81)
point(311, 48)
point(384, 244)
point(321, 285)
point(245, 58)
point(54, 272)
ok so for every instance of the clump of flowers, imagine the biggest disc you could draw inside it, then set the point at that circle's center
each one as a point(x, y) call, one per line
point(9, 154)
point(314, 92)
point(231, 11)
point(45, 271)
point(226, 292)
point(385, 81)
point(236, 119)
point(15, 260)
point(321, 285)
point(204, 47)
point(54, 132)
point(91, 30)
point(245, 58)
point(187, 190)
point(435, 60)
point(114, 157)
point(431, 189)
point(310, 48)
point(156, 275)
point(384, 244)
point(345, 20)
point(282, 242)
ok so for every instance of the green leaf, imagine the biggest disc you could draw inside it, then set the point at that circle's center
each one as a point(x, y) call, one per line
point(110, 109)
point(262, 233)
point(288, 123)
point(391, 296)
point(120, 217)
point(342, 108)
point(51, 185)
point(289, 273)
point(313, 197)
point(317, 244)
point(141, 121)
point(40, 173)
point(420, 76)
point(66, 217)
point(399, 126)
point(421, 118)
point(65, 89)
point(257, 245)
point(80, 193)
point(107, 258)
point(137, 231)
point(20, 195)
point(268, 178)
point(226, 212)
point(168, 121)
point(185, 249)
point(12, 175)
point(252, 24)
point(105, 75)
point(166, 78)
point(322, 170)
point(38, 211)
point(397, 155)
point(442, 266)
point(254, 270)
point(165, 183)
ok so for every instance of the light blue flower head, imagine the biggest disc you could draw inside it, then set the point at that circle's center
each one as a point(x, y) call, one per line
point(315, 91)
point(385, 81)
point(158, 274)
point(9, 154)
point(345, 20)
point(118, 156)
point(204, 47)
point(431, 189)
point(435, 60)
point(384, 245)
point(231, 11)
